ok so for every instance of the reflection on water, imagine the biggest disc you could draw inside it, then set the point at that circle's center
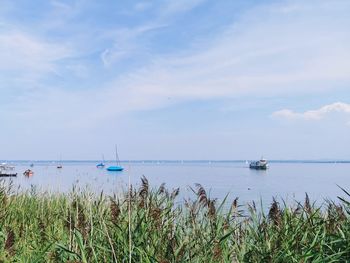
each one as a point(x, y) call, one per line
point(283, 180)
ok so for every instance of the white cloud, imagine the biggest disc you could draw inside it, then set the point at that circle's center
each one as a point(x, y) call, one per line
point(318, 114)
point(27, 57)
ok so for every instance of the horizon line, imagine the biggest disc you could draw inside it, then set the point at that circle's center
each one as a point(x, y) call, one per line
point(176, 160)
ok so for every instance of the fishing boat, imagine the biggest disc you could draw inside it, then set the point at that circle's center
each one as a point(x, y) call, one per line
point(259, 165)
point(101, 164)
point(117, 167)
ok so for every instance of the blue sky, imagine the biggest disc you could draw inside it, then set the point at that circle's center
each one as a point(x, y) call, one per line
point(185, 79)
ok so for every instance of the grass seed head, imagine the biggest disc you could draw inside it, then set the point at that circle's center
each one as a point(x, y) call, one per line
point(275, 213)
point(175, 193)
point(211, 209)
point(307, 205)
point(144, 189)
point(115, 210)
point(10, 242)
point(202, 195)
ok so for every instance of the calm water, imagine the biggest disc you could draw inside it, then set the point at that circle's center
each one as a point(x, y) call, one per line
point(283, 180)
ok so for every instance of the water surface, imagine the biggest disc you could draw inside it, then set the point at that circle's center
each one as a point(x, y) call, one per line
point(284, 180)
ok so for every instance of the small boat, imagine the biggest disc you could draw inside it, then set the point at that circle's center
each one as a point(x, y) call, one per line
point(117, 167)
point(101, 164)
point(59, 165)
point(259, 165)
point(28, 173)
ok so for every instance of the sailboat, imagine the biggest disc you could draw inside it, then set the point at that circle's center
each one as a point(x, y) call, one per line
point(101, 164)
point(59, 165)
point(117, 167)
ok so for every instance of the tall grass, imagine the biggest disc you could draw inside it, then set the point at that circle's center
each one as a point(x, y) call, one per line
point(84, 227)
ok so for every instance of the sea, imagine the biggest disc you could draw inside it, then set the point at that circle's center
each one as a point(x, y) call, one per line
point(286, 181)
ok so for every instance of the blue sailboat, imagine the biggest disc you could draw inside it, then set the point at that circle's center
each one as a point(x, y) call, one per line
point(101, 164)
point(117, 167)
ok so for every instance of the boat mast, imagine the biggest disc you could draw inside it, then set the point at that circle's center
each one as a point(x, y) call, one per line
point(116, 156)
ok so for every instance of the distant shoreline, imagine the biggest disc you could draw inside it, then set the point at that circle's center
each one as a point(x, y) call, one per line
point(176, 161)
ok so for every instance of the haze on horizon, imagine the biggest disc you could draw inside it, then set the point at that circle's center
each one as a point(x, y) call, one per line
point(184, 79)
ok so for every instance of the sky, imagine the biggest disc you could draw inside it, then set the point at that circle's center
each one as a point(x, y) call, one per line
point(184, 79)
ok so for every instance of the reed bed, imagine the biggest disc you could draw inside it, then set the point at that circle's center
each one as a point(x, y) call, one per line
point(84, 227)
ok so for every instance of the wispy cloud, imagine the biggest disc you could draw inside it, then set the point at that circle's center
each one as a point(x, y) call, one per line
point(318, 114)
point(126, 42)
point(28, 58)
point(23, 51)
point(265, 53)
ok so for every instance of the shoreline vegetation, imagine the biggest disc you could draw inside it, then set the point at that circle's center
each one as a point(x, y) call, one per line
point(149, 225)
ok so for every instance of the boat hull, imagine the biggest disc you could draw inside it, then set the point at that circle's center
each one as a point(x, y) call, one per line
point(257, 167)
point(115, 169)
point(100, 165)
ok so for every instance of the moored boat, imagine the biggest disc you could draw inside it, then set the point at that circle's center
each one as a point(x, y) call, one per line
point(59, 165)
point(101, 164)
point(117, 167)
point(28, 173)
point(262, 164)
